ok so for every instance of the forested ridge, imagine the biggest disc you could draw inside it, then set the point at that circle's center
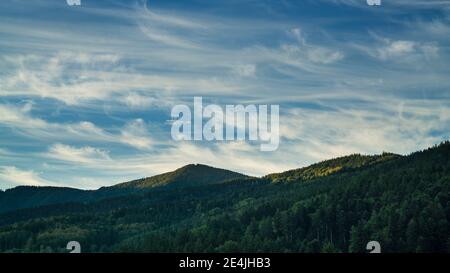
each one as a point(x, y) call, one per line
point(334, 206)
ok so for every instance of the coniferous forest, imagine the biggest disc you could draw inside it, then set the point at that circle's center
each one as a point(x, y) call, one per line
point(337, 205)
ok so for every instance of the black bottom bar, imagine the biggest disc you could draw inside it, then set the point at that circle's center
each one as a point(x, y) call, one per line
point(223, 262)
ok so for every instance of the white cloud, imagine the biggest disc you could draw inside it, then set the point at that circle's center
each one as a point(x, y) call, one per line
point(165, 38)
point(77, 78)
point(135, 134)
point(12, 176)
point(18, 117)
point(138, 101)
point(314, 53)
point(324, 56)
point(165, 29)
point(169, 20)
point(403, 50)
point(396, 48)
point(400, 126)
point(84, 154)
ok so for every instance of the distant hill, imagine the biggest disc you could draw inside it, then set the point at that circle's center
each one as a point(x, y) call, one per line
point(332, 166)
point(191, 175)
point(22, 197)
point(30, 196)
point(188, 176)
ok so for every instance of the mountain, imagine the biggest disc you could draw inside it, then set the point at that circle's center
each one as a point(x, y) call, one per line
point(188, 176)
point(22, 197)
point(332, 166)
point(400, 201)
point(30, 196)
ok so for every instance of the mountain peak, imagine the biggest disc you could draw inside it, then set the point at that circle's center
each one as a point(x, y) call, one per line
point(186, 176)
point(195, 166)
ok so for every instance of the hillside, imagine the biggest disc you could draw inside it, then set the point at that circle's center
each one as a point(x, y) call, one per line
point(29, 196)
point(23, 197)
point(332, 166)
point(191, 175)
point(188, 176)
point(401, 202)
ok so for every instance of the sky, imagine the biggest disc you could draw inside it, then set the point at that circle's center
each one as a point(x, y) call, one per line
point(86, 91)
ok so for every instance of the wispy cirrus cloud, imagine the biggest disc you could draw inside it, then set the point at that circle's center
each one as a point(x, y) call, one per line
point(11, 176)
point(401, 50)
point(134, 133)
point(84, 154)
point(74, 78)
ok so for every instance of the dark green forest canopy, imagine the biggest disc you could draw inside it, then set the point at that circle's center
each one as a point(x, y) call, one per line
point(333, 206)
point(188, 176)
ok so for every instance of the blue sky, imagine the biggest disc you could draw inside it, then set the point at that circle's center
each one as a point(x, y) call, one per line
point(86, 91)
